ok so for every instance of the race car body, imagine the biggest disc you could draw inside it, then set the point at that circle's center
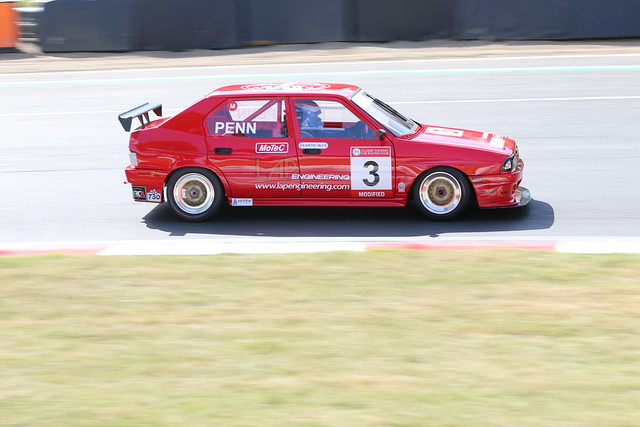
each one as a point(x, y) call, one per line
point(314, 144)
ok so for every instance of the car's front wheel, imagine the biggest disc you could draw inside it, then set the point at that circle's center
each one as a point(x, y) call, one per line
point(194, 194)
point(442, 193)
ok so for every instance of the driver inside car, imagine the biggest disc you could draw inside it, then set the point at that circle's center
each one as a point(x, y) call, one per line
point(308, 115)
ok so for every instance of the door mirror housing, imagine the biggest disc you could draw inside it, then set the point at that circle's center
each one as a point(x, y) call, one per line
point(381, 134)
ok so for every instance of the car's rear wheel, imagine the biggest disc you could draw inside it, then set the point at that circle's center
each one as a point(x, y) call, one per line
point(194, 194)
point(442, 193)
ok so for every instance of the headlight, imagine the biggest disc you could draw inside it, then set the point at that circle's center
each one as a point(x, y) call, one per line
point(133, 158)
point(511, 163)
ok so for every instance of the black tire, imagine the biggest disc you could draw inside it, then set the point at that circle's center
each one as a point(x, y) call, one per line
point(194, 194)
point(442, 193)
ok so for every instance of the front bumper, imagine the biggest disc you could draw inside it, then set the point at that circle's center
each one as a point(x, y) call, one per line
point(525, 196)
point(146, 185)
point(501, 191)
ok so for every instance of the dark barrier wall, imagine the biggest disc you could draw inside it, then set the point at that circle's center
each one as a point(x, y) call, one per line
point(188, 24)
point(606, 19)
point(509, 19)
point(89, 25)
point(120, 25)
point(298, 21)
point(384, 20)
point(547, 19)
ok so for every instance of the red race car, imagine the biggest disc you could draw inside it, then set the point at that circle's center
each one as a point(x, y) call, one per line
point(314, 144)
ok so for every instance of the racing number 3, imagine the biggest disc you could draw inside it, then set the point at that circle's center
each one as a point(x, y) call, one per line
point(372, 173)
point(371, 168)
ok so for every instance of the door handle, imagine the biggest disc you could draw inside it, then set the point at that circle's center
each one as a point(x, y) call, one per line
point(311, 151)
point(222, 150)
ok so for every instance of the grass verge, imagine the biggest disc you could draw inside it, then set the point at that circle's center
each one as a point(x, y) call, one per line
point(384, 338)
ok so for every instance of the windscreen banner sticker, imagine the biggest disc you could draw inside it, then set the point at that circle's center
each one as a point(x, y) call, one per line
point(371, 172)
point(287, 86)
point(445, 132)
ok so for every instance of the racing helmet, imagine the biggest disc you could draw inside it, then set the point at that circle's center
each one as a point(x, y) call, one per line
point(308, 113)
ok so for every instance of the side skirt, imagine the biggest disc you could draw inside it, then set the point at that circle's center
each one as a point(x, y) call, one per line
point(395, 202)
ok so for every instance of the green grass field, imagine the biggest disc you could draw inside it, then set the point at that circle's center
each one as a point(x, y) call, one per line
point(383, 338)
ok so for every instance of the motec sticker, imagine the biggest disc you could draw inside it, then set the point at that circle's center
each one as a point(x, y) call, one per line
point(444, 131)
point(371, 169)
point(272, 147)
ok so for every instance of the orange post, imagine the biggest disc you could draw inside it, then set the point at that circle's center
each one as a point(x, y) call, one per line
point(8, 24)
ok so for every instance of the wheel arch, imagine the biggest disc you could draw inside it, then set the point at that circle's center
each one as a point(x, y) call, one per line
point(216, 172)
point(416, 181)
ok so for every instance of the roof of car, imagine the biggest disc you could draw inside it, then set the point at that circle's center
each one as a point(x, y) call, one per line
point(287, 88)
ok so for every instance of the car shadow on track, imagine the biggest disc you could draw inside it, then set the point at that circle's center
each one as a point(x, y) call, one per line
point(349, 222)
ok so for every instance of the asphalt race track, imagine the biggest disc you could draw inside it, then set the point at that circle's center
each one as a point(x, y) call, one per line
point(575, 120)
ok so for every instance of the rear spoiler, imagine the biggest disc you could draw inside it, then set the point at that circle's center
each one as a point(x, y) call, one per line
point(141, 112)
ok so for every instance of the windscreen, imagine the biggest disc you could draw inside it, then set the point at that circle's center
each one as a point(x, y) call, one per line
point(393, 121)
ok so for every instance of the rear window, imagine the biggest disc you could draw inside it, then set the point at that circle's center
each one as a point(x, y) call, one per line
point(249, 118)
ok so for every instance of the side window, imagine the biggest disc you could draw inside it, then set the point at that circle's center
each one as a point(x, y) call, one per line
point(249, 118)
point(329, 119)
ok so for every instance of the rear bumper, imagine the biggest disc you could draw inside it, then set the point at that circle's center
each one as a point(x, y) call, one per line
point(146, 185)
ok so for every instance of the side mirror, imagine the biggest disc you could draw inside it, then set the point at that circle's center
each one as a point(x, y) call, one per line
point(381, 134)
